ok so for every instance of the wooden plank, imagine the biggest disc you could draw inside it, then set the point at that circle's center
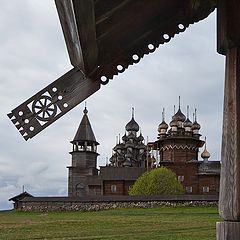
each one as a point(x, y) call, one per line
point(228, 25)
point(229, 202)
point(228, 231)
point(106, 9)
point(85, 20)
point(69, 26)
point(52, 102)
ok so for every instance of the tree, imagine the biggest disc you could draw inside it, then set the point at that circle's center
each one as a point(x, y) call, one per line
point(159, 181)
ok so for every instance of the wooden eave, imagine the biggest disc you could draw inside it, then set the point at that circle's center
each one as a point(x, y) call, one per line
point(111, 35)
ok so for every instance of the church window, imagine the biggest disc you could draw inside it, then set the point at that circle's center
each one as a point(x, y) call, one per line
point(189, 189)
point(180, 178)
point(205, 189)
point(113, 188)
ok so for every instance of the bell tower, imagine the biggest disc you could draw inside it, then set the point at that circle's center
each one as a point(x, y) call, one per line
point(84, 159)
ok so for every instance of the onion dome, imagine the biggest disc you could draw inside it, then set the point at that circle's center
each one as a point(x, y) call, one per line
point(179, 116)
point(205, 154)
point(196, 126)
point(129, 144)
point(118, 147)
point(187, 123)
point(141, 146)
point(131, 135)
point(173, 123)
point(140, 138)
point(124, 137)
point(162, 125)
point(132, 125)
point(112, 159)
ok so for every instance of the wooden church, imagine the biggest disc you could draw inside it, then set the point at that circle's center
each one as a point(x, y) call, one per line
point(176, 148)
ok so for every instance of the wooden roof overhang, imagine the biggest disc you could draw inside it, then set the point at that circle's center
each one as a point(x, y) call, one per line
point(103, 38)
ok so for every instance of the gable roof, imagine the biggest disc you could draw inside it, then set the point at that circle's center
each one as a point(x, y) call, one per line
point(20, 196)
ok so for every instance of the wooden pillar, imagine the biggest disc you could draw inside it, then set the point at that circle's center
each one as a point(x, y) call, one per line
point(229, 45)
point(229, 201)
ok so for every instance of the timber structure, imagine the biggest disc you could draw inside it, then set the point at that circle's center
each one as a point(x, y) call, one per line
point(104, 37)
point(177, 148)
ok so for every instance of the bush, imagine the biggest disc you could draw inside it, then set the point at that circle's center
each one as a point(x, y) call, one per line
point(159, 181)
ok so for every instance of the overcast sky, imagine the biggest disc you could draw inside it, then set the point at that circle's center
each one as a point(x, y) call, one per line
point(33, 54)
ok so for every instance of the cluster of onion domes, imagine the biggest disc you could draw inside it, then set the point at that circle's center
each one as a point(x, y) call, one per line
point(179, 122)
point(131, 152)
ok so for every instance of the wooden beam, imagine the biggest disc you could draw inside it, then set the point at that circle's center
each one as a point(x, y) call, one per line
point(69, 26)
point(85, 19)
point(228, 231)
point(77, 19)
point(228, 25)
point(52, 102)
point(229, 198)
point(229, 202)
point(229, 45)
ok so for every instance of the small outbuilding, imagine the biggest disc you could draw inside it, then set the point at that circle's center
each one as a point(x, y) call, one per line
point(18, 198)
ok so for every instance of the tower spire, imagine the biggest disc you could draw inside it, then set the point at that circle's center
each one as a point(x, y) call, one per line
point(174, 109)
point(163, 115)
point(132, 112)
point(85, 111)
point(195, 114)
point(188, 111)
point(179, 102)
point(85, 132)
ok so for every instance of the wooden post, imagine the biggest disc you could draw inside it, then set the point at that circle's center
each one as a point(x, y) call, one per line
point(229, 201)
point(229, 45)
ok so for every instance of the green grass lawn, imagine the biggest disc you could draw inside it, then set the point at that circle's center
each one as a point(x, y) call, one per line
point(168, 223)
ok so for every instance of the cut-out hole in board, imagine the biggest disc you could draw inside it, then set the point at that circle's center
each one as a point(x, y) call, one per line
point(151, 46)
point(119, 67)
point(166, 36)
point(54, 89)
point(181, 26)
point(135, 57)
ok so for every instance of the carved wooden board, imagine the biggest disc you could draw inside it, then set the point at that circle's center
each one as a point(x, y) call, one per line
point(52, 102)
